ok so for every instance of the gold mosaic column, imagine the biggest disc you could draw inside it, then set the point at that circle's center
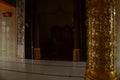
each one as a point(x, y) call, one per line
point(101, 26)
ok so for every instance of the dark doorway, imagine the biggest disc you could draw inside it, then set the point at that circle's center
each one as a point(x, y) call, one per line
point(29, 28)
point(56, 28)
point(60, 46)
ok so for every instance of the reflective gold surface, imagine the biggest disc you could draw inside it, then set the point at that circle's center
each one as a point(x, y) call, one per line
point(37, 54)
point(101, 75)
point(101, 63)
point(76, 55)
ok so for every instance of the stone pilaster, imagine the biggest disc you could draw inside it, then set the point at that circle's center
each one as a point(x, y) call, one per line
point(20, 15)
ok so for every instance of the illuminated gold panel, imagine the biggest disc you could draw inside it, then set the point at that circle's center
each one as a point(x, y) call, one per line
point(101, 63)
point(76, 55)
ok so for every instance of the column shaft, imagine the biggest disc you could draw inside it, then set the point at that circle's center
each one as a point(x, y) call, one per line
point(37, 54)
point(20, 12)
point(118, 35)
point(101, 27)
point(76, 22)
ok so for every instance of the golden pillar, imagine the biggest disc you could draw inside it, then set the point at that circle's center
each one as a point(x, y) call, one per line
point(76, 50)
point(37, 49)
point(101, 26)
point(76, 55)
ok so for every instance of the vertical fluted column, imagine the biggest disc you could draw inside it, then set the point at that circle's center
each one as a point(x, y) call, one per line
point(101, 26)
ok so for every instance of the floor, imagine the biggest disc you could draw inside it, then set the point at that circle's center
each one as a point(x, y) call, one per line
point(25, 69)
point(20, 69)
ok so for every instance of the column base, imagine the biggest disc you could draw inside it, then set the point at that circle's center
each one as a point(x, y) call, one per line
point(100, 75)
point(37, 53)
point(76, 55)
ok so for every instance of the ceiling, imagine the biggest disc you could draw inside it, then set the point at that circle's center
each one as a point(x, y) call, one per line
point(12, 2)
point(5, 5)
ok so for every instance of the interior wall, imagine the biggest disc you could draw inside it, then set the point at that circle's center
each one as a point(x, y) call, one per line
point(8, 34)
